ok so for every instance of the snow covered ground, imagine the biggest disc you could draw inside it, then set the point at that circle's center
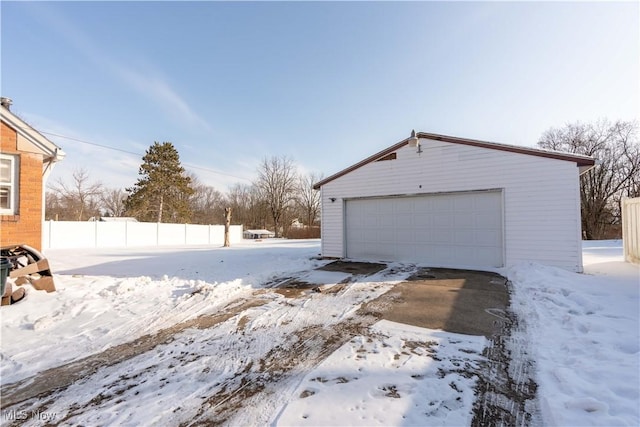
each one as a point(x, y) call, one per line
point(110, 296)
point(582, 331)
point(584, 334)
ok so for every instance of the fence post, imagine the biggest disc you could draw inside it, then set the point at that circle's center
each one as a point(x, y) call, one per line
point(625, 226)
point(50, 225)
point(631, 229)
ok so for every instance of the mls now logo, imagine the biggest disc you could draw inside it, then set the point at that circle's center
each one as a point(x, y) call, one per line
point(13, 415)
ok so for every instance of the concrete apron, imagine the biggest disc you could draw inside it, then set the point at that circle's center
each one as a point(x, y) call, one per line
point(460, 301)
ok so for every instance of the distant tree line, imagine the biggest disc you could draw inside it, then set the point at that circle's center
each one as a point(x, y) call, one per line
point(616, 173)
point(165, 192)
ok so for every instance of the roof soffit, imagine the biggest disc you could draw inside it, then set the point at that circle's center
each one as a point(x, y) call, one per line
point(29, 138)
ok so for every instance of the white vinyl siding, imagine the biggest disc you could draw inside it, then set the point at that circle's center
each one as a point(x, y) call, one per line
point(540, 196)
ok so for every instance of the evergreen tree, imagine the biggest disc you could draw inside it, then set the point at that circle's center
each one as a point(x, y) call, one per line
point(163, 188)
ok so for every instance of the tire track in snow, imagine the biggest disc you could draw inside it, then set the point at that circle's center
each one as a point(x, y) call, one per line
point(78, 391)
point(252, 396)
point(506, 392)
point(277, 374)
point(58, 378)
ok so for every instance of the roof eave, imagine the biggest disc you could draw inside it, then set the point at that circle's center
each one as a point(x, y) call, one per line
point(361, 163)
point(581, 161)
point(51, 151)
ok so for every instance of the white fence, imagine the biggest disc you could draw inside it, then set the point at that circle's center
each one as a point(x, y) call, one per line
point(631, 229)
point(97, 234)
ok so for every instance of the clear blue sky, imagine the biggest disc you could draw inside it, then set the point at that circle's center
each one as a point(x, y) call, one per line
point(326, 84)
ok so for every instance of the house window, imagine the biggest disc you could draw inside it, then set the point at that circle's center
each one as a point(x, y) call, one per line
point(8, 184)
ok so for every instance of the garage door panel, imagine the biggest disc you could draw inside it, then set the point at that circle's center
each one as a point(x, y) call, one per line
point(369, 221)
point(423, 220)
point(464, 220)
point(488, 220)
point(450, 229)
point(386, 236)
point(465, 252)
point(486, 202)
point(405, 208)
point(422, 205)
point(463, 204)
point(442, 205)
point(491, 238)
point(461, 237)
point(405, 220)
point(442, 221)
point(488, 256)
point(407, 236)
point(385, 208)
point(442, 236)
point(423, 235)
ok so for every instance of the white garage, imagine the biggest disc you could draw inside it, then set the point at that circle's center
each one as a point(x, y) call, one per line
point(444, 201)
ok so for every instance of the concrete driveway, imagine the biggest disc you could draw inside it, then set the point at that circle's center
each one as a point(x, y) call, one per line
point(461, 301)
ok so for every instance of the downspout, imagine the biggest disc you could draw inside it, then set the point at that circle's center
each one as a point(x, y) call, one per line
point(46, 171)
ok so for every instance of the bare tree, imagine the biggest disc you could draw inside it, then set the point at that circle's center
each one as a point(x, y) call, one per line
point(206, 203)
point(308, 199)
point(80, 198)
point(277, 183)
point(54, 208)
point(113, 201)
point(616, 174)
point(248, 205)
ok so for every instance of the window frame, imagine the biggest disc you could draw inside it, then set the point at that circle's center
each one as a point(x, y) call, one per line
point(13, 184)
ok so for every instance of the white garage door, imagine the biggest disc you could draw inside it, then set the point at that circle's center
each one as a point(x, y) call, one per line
point(460, 229)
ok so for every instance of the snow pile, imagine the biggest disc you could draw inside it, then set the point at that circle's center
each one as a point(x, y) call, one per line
point(399, 375)
point(584, 335)
point(107, 297)
point(174, 382)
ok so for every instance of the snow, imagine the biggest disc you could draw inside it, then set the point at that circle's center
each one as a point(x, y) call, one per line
point(390, 379)
point(582, 331)
point(107, 297)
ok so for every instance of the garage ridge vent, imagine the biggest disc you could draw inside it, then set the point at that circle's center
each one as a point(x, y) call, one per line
point(391, 156)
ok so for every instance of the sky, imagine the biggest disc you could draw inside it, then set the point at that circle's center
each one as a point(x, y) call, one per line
point(324, 84)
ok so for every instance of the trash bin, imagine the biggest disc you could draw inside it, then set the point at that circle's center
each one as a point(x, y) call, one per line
point(5, 266)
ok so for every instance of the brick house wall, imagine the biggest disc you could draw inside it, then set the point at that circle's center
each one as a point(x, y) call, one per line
point(26, 226)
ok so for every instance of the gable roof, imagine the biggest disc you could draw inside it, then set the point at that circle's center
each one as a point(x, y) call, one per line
point(584, 162)
point(52, 153)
